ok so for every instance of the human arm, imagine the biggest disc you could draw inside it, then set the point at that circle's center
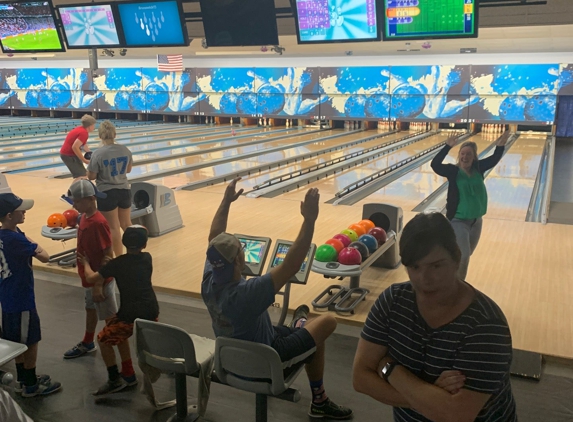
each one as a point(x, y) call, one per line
point(39, 253)
point(87, 148)
point(491, 161)
point(92, 277)
point(437, 164)
point(219, 224)
point(297, 253)
point(76, 147)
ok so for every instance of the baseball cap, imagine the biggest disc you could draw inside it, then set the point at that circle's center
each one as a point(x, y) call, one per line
point(10, 203)
point(221, 254)
point(84, 188)
point(135, 237)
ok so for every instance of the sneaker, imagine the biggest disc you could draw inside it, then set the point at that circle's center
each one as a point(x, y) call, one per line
point(42, 379)
point(41, 389)
point(80, 349)
point(300, 312)
point(111, 387)
point(329, 410)
point(130, 381)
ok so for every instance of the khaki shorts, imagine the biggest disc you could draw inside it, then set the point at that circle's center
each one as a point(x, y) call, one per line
point(107, 308)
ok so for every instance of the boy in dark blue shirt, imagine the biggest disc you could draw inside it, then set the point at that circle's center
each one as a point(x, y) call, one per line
point(20, 321)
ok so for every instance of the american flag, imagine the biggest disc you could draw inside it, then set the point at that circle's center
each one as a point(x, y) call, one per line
point(170, 62)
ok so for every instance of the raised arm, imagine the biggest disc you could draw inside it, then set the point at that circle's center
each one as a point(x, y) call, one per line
point(294, 258)
point(437, 163)
point(491, 161)
point(219, 224)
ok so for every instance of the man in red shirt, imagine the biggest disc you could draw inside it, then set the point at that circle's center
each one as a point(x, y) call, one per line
point(71, 151)
point(94, 242)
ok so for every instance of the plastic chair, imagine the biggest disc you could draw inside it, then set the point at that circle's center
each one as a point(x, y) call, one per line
point(256, 368)
point(172, 349)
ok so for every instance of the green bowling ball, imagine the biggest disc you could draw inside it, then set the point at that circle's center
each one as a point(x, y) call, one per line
point(325, 253)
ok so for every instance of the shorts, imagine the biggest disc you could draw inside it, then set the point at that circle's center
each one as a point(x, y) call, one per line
point(115, 332)
point(107, 308)
point(116, 198)
point(293, 345)
point(21, 327)
point(74, 164)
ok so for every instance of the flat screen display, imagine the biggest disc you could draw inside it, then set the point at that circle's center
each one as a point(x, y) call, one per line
point(90, 25)
point(254, 250)
point(239, 22)
point(282, 250)
point(323, 21)
point(430, 19)
point(153, 23)
point(30, 27)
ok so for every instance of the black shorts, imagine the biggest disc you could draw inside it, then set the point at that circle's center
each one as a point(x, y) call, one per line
point(293, 345)
point(116, 198)
point(21, 327)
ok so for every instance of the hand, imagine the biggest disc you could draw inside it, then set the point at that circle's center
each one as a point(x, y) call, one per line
point(451, 381)
point(451, 141)
point(309, 207)
point(97, 294)
point(82, 259)
point(231, 193)
point(503, 139)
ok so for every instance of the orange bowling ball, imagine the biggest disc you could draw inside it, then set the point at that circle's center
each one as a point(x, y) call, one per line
point(337, 244)
point(358, 228)
point(71, 217)
point(368, 225)
point(57, 220)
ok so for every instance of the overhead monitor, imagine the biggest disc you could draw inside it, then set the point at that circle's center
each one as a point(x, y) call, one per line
point(29, 27)
point(239, 22)
point(153, 23)
point(256, 250)
point(278, 256)
point(334, 21)
point(89, 25)
point(430, 19)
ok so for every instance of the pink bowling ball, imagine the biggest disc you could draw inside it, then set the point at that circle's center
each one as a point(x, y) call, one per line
point(343, 238)
point(349, 256)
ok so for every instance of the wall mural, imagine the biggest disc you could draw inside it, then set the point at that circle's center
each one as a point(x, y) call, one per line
point(480, 93)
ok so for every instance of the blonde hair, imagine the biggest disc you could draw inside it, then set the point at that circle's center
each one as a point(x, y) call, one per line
point(88, 120)
point(474, 149)
point(106, 132)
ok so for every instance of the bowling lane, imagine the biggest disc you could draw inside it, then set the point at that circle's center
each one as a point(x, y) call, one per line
point(510, 183)
point(412, 188)
point(248, 182)
point(170, 147)
point(332, 184)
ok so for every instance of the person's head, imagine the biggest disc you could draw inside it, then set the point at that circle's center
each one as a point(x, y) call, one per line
point(88, 122)
point(430, 252)
point(135, 238)
point(83, 194)
point(226, 255)
point(106, 132)
point(13, 209)
point(468, 155)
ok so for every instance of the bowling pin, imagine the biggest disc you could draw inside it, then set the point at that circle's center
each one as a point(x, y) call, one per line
point(260, 122)
point(231, 121)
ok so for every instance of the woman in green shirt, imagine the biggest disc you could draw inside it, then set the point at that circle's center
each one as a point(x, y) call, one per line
point(467, 196)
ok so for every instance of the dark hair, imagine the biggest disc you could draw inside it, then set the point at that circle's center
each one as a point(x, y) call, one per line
point(423, 233)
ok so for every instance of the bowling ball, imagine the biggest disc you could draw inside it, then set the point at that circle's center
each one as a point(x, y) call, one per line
point(377, 106)
point(407, 101)
point(71, 217)
point(269, 100)
point(380, 234)
point(57, 220)
point(88, 155)
point(32, 99)
point(61, 97)
point(354, 106)
point(247, 103)
point(362, 248)
point(370, 241)
point(325, 253)
point(337, 244)
point(343, 238)
point(367, 224)
point(513, 108)
point(121, 100)
point(541, 108)
point(137, 101)
point(157, 98)
point(351, 234)
point(358, 228)
point(228, 103)
point(349, 256)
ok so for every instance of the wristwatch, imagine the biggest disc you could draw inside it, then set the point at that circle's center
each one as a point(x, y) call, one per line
point(387, 370)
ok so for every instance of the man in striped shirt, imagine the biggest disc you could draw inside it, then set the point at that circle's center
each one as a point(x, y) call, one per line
point(435, 348)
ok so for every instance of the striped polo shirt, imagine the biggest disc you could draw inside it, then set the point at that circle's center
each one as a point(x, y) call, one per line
point(477, 343)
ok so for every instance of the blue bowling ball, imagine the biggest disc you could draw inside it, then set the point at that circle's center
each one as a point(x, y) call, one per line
point(354, 106)
point(513, 108)
point(121, 100)
point(60, 96)
point(270, 100)
point(137, 101)
point(157, 97)
point(407, 101)
point(541, 108)
point(32, 99)
point(370, 242)
point(377, 106)
point(228, 103)
point(247, 103)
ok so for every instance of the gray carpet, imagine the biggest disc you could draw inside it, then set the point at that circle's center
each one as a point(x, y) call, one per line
point(560, 212)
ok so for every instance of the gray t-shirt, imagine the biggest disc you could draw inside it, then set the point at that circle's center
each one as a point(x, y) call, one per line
point(110, 162)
